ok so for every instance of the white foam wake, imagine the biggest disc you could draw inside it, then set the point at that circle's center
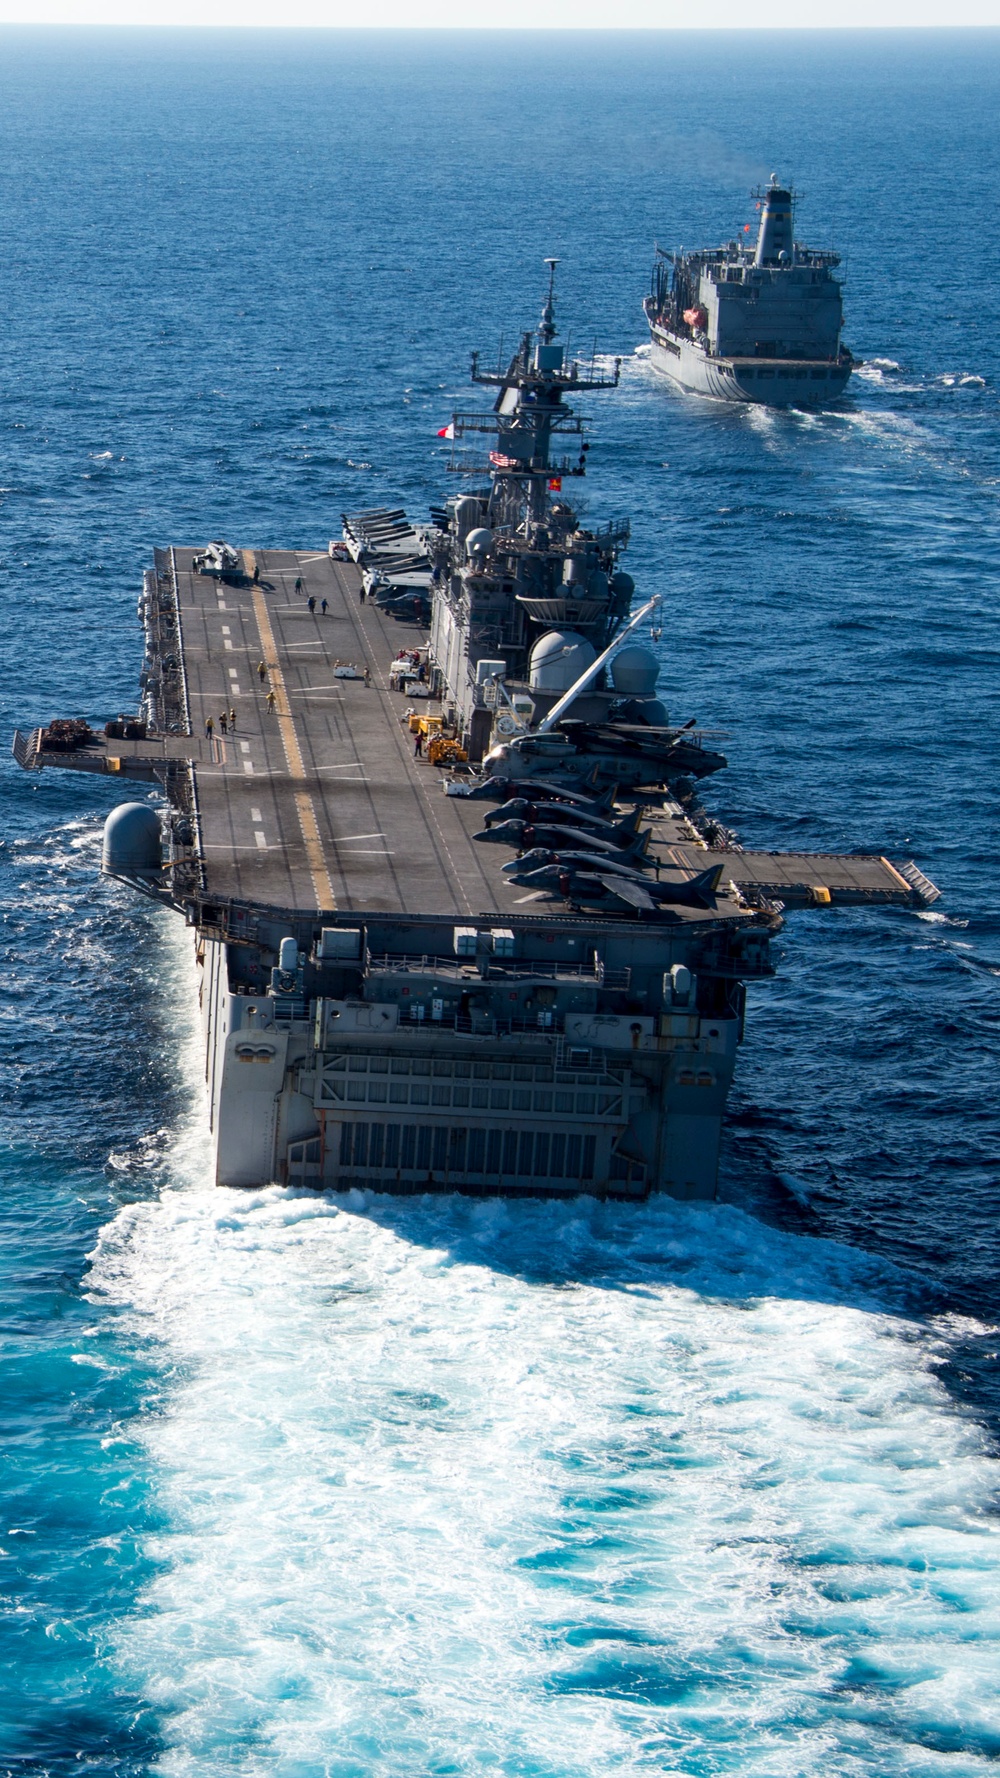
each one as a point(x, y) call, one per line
point(546, 1489)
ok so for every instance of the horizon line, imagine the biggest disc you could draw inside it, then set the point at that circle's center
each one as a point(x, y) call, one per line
point(147, 26)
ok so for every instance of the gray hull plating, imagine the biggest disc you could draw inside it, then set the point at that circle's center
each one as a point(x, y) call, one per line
point(775, 383)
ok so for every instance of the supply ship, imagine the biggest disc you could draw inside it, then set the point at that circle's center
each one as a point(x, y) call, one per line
point(761, 326)
point(460, 920)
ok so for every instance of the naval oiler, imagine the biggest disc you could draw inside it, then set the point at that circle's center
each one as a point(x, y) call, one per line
point(460, 919)
point(761, 325)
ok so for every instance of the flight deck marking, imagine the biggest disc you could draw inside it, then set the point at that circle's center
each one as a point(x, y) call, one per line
point(428, 812)
point(318, 870)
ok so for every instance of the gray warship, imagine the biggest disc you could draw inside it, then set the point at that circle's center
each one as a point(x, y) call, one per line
point(459, 919)
point(760, 325)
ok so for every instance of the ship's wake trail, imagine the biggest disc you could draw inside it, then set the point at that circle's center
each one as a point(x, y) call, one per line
point(537, 1489)
point(557, 1490)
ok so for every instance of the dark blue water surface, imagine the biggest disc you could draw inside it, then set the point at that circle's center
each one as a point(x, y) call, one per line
point(541, 1490)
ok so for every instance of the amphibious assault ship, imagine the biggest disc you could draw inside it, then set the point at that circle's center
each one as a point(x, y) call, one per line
point(459, 919)
point(760, 326)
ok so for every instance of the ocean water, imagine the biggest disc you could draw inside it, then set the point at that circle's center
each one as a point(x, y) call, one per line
point(370, 1488)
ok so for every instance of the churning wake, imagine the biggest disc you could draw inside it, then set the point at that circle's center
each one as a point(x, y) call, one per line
point(553, 1489)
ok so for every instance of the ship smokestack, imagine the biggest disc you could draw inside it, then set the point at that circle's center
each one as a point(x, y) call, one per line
point(775, 237)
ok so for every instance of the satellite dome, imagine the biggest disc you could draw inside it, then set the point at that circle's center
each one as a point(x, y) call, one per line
point(468, 512)
point(479, 541)
point(654, 713)
point(132, 841)
point(558, 659)
point(634, 671)
point(642, 710)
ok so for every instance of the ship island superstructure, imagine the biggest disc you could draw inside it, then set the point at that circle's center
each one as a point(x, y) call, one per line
point(460, 920)
point(760, 324)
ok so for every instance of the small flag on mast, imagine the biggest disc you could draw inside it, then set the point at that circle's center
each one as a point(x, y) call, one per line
point(447, 431)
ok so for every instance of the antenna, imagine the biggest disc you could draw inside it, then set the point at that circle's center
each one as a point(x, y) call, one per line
point(547, 326)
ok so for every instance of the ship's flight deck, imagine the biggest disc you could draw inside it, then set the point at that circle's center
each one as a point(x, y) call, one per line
point(315, 799)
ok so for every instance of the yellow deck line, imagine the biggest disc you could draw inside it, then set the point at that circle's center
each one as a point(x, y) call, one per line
point(893, 872)
point(318, 870)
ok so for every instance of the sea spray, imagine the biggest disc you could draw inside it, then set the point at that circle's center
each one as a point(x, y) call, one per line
point(545, 1488)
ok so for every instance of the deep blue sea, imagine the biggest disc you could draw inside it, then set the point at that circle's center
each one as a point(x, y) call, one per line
point(382, 1489)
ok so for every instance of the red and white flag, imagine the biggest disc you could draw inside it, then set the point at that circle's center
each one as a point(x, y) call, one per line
point(499, 461)
point(447, 431)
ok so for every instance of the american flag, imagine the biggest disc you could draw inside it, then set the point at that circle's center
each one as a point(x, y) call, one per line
point(499, 461)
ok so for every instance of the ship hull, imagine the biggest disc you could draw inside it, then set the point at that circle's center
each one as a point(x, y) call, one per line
point(339, 1105)
point(780, 382)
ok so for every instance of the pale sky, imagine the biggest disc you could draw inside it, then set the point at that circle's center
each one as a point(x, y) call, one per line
point(517, 14)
